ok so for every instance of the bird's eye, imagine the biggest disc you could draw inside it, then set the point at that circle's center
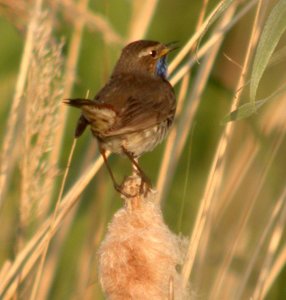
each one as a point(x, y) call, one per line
point(153, 53)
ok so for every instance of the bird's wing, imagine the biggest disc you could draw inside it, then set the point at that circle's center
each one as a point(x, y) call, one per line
point(100, 116)
point(139, 105)
point(127, 104)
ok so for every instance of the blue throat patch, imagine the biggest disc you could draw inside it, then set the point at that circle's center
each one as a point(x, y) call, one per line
point(161, 67)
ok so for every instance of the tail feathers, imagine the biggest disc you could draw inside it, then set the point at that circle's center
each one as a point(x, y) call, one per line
point(100, 116)
point(78, 102)
point(81, 126)
point(82, 121)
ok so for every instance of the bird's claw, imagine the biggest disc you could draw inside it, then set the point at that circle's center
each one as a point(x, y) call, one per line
point(145, 185)
point(119, 189)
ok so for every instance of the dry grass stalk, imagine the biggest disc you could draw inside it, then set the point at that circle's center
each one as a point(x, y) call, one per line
point(168, 165)
point(223, 271)
point(189, 45)
point(198, 88)
point(271, 121)
point(236, 242)
point(214, 38)
point(53, 259)
point(6, 266)
point(236, 173)
point(216, 172)
point(241, 225)
point(27, 258)
point(16, 11)
point(139, 255)
point(70, 69)
point(276, 268)
point(73, 12)
point(186, 49)
point(266, 233)
point(8, 143)
point(71, 62)
point(87, 266)
point(181, 98)
point(276, 237)
point(42, 98)
point(170, 140)
point(73, 56)
point(142, 14)
point(44, 255)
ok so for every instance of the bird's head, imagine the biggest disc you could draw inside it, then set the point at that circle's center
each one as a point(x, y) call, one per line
point(145, 56)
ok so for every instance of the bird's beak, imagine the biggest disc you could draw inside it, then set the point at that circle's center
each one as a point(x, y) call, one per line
point(169, 48)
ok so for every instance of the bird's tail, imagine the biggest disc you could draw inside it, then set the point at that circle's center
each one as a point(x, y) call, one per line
point(82, 121)
point(100, 116)
point(78, 102)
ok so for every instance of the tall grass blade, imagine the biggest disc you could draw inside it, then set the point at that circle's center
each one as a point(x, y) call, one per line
point(223, 5)
point(248, 109)
point(270, 36)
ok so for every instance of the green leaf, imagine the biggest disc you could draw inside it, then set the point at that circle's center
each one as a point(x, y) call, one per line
point(278, 57)
point(274, 27)
point(244, 111)
point(248, 109)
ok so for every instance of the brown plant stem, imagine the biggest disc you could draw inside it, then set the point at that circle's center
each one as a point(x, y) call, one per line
point(27, 258)
point(202, 214)
point(8, 142)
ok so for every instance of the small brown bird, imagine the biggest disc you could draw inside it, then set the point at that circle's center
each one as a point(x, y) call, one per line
point(133, 112)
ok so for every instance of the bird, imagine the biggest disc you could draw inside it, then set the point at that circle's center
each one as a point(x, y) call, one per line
point(135, 109)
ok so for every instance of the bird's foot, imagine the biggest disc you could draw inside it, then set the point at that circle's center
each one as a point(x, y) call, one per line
point(120, 189)
point(146, 185)
point(134, 187)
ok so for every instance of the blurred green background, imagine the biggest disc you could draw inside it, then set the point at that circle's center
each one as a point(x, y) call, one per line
point(173, 21)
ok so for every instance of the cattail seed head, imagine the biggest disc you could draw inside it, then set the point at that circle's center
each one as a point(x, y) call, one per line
point(139, 255)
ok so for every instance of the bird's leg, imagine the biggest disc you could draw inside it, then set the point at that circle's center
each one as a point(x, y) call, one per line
point(117, 186)
point(134, 161)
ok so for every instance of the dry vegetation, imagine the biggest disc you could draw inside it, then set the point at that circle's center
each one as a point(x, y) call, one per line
point(236, 247)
